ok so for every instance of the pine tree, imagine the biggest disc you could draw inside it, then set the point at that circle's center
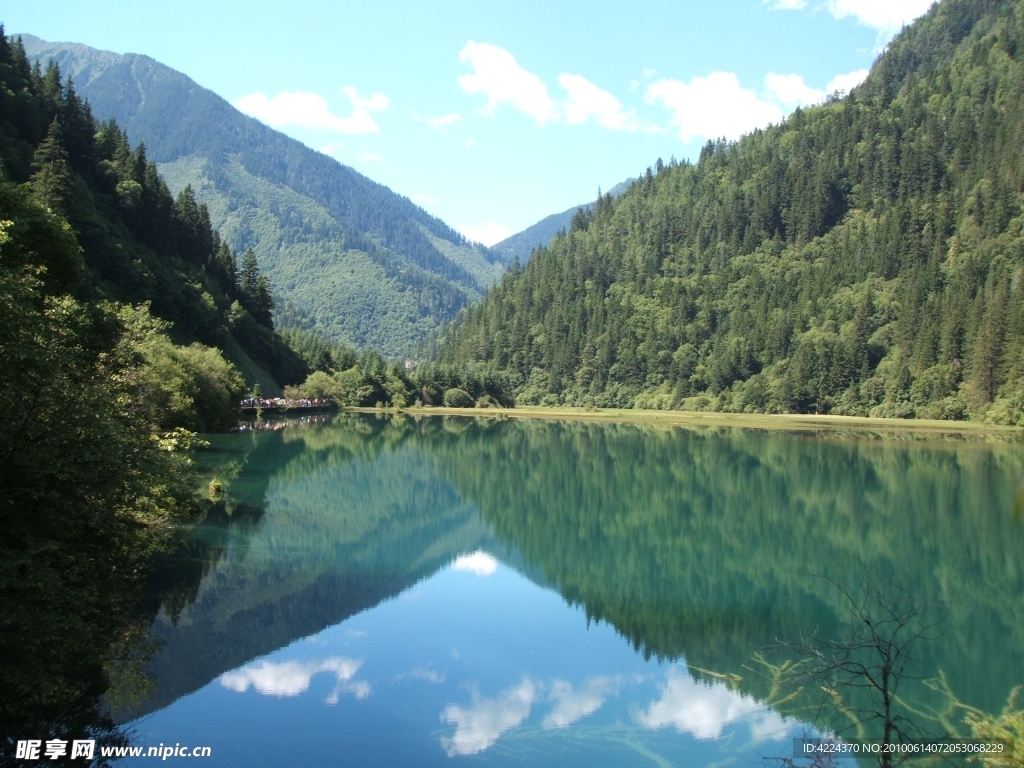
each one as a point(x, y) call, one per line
point(226, 268)
point(51, 182)
point(255, 289)
point(193, 229)
point(250, 273)
point(263, 303)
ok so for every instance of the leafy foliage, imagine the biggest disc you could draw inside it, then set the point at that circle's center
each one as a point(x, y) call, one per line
point(1008, 726)
point(85, 484)
point(191, 387)
point(862, 258)
point(367, 381)
point(98, 398)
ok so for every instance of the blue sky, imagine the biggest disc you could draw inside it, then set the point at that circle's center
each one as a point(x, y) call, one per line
point(492, 116)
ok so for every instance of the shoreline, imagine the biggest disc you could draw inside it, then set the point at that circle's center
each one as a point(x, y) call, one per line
point(760, 421)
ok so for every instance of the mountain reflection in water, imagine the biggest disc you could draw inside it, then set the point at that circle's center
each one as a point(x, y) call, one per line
point(613, 594)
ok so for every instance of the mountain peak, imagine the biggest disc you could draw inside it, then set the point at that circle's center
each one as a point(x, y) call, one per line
point(349, 257)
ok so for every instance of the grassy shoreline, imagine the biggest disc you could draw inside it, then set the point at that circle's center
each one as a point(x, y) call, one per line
point(691, 419)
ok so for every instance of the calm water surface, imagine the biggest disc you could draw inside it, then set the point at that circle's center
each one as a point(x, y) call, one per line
point(391, 591)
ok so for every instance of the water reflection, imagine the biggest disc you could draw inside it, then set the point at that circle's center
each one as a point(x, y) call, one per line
point(710, 545)
point(677, 558)
point(571, 705)
point(480, 724)
point(479, 562)
point(705, 709)
point(701, 710)
point(291, 678)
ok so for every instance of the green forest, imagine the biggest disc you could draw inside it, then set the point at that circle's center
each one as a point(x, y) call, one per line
point(124, 321)
point(862, 258)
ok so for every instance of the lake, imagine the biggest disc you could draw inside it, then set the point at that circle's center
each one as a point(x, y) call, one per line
point(389, 590)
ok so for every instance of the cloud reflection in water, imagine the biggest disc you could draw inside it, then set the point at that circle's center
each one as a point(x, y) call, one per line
point(572, 705)
point(703, 710)
point(478, 726)
point(479, 562)
point(290, 678)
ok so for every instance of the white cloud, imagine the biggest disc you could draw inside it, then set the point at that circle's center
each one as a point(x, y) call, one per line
point(370, 157)
point(481, 724)
point(791, 90)
point(887, 16)
point(479, 562)
point(787, 5)
point(572, 705)
point(311, 110)
point(419, 197)
point(586, 100)
point(846, 83)
point(488, 234)
point(290, 678)
point(497, 75)
point(713, 106)
point(444, 121)
point(704, 710)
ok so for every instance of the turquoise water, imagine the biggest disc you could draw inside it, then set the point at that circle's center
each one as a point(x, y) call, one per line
point(399, 591)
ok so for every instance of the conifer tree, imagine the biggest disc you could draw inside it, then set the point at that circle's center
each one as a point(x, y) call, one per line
point(249, 273)
point(51, 182)
point(263, 303)
point(227, 269)
point(256, 290)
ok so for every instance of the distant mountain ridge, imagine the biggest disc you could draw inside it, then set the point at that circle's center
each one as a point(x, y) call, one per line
point(344, 254)
point(541, 233)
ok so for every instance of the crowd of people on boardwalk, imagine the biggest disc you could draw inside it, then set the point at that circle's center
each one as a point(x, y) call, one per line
point(284, 403)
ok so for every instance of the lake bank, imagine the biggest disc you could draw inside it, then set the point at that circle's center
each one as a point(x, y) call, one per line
point(961, 430)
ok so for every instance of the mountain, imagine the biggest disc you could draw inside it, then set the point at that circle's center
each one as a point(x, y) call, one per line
point(540, 234)
point(132, 241)
point(862, 258)
point(343, 254)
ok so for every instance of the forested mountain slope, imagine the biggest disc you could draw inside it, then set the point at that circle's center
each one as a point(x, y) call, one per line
point(344, 255)
point(134, 242)
point(864, 257)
